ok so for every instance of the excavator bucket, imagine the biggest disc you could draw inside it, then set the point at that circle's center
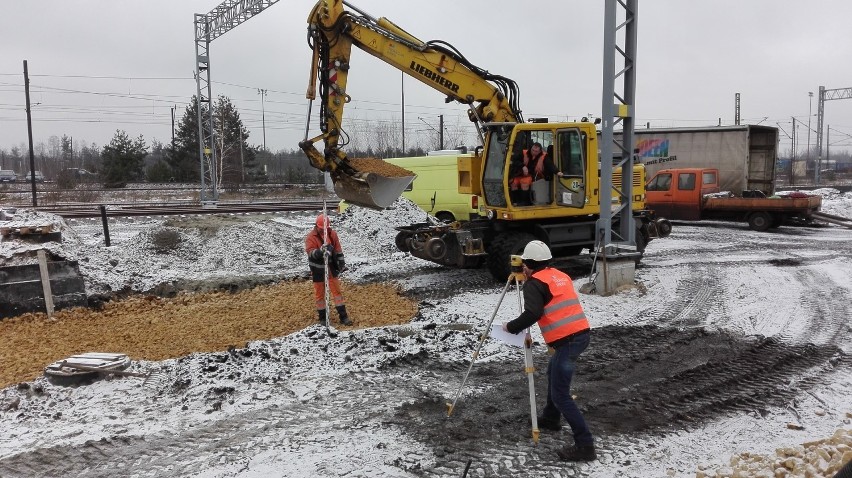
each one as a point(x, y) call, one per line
point(370, 189)
point(370, 182)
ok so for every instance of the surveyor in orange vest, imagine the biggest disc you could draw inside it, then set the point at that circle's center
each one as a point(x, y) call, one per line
point(551, 301)
point(317, 249)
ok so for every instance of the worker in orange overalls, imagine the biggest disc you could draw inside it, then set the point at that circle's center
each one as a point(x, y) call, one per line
point(318, 249)
point(526, 167)
point(551, 301)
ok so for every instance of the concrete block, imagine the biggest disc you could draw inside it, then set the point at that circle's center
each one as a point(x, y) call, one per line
point(619, 273)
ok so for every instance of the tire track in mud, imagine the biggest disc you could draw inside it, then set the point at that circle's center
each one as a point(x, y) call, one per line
point(688, 306)
point(631, 380)
point(830, 309)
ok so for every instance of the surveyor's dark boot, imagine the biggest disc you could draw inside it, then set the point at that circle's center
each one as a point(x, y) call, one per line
point(577, 453)
point(344, 316)
point(545, 423)
point(321, 313)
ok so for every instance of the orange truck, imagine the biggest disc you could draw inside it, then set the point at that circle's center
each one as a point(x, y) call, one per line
point(692, 194)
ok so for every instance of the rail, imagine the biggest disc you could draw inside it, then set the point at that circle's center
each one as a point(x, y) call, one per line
point(172, 209)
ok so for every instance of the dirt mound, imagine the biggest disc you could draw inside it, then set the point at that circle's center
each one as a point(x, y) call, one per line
point(155, 328)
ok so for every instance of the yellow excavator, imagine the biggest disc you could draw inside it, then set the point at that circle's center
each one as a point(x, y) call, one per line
point(561, 211)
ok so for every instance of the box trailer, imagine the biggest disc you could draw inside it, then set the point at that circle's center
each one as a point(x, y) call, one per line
point(745, 155)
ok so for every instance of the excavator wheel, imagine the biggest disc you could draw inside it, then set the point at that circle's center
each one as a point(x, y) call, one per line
point(436, 248)
point(664, 227)
point(401, 241)
point(504, 246)
point(641, 243)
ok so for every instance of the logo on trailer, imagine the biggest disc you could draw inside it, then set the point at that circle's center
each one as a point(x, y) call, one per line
point(654, 151)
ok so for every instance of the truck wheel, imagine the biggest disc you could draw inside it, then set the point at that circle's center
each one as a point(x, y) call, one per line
point(502, 248)
point(760, 221)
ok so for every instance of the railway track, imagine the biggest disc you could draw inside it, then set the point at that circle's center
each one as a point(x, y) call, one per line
point(178, 208)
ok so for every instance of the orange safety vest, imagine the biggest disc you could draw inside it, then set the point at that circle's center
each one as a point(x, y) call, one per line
point(563, 315)
point(539, 165)
point(314, 241)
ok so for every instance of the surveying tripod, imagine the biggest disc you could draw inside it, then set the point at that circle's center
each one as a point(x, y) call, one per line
point(516, 278)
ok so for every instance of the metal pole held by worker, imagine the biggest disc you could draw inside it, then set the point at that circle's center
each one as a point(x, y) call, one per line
point(516, 277)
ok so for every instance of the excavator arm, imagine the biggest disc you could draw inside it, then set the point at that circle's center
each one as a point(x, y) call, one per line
point(332, 31)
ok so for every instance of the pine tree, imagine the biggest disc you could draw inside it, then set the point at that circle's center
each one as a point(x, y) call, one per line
point(237, 160)
point(122, 159)
point(182, 155)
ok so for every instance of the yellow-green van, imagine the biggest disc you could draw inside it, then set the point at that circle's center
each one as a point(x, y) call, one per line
point(437, 179)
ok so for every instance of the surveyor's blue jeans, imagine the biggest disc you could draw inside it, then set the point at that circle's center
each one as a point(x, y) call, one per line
point(560, 370)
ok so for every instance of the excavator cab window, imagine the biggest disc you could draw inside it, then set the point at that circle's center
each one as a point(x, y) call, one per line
point(496, 152)
point(571, 161)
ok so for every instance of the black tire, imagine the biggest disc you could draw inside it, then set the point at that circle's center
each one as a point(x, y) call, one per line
point(641, 244)
point(436, 248)
point(760, 221)
point(445, 216)
point(504, 246)
point(664, 227)
point(400, 241)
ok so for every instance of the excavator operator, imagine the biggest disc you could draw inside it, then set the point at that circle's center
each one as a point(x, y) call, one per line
point(528, 166)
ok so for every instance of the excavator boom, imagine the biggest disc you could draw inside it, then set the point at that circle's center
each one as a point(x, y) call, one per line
point(332, 31)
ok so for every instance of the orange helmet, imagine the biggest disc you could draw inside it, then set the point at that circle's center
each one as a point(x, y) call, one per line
point(323, 222)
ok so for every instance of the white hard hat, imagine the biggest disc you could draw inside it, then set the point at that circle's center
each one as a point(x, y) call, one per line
point(536, 251)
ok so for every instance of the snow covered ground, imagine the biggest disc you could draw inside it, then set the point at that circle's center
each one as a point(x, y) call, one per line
point(729, 336)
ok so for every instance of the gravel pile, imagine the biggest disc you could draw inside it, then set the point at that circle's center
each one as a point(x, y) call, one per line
point(823, 458)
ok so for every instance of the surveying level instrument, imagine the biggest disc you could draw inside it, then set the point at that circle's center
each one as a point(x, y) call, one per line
point(516, 278)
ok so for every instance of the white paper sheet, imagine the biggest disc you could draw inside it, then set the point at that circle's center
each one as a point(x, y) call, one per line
point(515, 340)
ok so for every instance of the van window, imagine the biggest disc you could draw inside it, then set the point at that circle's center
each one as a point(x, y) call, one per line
point(686, 181)
point(660, 182)
point(708, 177)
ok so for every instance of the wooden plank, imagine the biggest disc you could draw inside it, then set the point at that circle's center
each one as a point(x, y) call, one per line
point(45, 282)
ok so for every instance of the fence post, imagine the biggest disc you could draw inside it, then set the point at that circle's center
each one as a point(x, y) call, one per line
point(106, 224)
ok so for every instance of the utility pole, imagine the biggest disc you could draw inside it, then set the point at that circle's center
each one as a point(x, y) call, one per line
point(737, 109)
point(30, 133)
point(242, 159)
point(173, 126)
point(810, 104)
point(402, 100)
point(441, 131)
point(262, 93)
point(793, 147)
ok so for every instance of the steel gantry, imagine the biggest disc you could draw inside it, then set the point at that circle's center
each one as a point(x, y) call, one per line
point(825, 95)
point(618, 153)
point(209, 26)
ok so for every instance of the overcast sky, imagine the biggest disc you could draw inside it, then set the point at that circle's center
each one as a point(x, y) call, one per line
point(96, 65)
